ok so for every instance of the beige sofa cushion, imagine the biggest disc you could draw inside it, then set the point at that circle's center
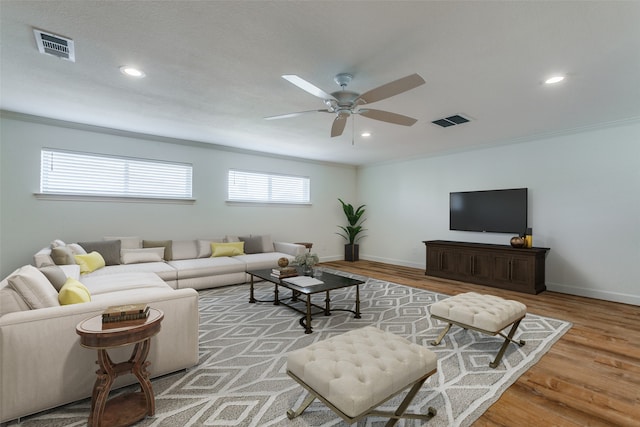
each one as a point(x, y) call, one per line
point(161, 269)
point(55, 275)
point(34, 287)
point(184, 249)
point(109, 249)
point(127, 242)
point(119, 282)
point(138, 256)
point(204, 247)
point(62, 255)
point(199, 267)
point(257, 244)
point(263, 260)
point(10, 300)
point(166, 244)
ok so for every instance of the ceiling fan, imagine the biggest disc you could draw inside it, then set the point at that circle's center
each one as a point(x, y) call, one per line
point(344, 103)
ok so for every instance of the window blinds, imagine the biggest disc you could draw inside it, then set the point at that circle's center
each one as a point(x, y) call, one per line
point(72, 173)
point(245, 186)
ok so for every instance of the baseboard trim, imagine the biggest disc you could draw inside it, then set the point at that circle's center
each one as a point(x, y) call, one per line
point(553, 287)
point(392, 261)
point(594, 293)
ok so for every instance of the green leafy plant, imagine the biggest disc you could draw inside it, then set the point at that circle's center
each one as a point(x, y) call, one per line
point(354, 218)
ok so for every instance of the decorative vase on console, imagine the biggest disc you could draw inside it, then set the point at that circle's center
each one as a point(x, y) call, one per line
point(307, 261)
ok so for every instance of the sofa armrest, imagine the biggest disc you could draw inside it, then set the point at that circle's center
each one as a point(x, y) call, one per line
point(41, 356)
point(292, 249)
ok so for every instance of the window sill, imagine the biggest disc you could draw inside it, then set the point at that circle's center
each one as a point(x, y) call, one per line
point(256, 203)
point(121, 199)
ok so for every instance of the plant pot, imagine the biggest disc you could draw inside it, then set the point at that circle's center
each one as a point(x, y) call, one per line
point(351, 252)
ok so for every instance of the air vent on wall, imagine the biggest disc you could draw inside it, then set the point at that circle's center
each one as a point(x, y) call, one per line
point(450, 121)
point(51, 44)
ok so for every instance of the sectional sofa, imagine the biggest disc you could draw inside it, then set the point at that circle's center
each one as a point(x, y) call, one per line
point(42, 364)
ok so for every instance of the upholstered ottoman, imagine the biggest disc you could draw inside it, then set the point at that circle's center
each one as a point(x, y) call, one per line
point(484, 313)
point(357, 371)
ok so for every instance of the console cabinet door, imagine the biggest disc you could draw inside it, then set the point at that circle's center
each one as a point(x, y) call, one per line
point(441, 260)
point(513, 270)
point(475, 264)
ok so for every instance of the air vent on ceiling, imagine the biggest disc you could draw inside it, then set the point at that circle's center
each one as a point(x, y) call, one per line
point(51, 44)
point(450, 121)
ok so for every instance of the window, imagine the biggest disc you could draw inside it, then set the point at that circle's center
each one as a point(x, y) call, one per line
point(267, 188)
point(86, 174)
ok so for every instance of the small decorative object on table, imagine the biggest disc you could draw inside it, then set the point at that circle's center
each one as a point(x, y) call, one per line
point(517, 242)
point(307, 261)
point(283, 262)
point(528, 238)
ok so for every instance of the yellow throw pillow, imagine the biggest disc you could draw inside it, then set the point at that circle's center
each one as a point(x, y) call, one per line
point(227, 249)
point(73, 292)
point(89, 262)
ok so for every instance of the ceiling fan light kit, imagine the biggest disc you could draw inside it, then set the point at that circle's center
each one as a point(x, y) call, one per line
point(344, 103)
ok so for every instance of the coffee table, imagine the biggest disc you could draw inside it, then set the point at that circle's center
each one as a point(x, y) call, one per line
point(329, 283)
point(128, 408)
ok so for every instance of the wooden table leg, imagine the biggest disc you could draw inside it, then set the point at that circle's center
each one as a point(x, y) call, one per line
point(108, 372)
point(140, 365)
point(101, 388)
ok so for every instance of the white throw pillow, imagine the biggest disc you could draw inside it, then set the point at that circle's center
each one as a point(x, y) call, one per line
point(34, 287)
point(76, 249)
point(134, 256)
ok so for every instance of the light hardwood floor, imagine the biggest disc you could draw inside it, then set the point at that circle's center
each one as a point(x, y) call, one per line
point(590, 377)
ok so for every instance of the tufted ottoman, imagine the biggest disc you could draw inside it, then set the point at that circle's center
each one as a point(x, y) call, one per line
point(357, 371)
point(484, 313)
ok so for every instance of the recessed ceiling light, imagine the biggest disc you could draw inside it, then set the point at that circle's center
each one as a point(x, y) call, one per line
point(365, 134)
point(554, 79)
point(132, 71)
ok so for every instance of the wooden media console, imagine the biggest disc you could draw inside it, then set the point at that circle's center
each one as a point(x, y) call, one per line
point(500, 266)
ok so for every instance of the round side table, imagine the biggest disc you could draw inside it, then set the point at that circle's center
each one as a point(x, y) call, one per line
point(125, 409)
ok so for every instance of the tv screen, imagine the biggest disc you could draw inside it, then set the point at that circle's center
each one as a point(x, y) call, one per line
point(497, 211)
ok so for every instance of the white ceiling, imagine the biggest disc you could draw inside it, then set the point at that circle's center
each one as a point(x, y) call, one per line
point(213, 70)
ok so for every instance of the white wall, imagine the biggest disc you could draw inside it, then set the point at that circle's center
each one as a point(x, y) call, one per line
point(28, 224)
point(584, 204)
point(584, 201)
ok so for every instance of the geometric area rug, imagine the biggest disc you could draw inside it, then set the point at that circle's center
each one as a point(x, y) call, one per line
point(241, 376)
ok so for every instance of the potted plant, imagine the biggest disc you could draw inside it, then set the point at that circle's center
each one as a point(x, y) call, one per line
point(352, 231)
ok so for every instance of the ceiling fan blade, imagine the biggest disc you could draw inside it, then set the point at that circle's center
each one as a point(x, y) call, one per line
point(388, 117)
point(306, 86)
point(338, 125)
point(299, 113)
point(390, 89)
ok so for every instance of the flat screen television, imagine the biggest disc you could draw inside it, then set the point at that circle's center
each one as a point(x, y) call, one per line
point(497, 211)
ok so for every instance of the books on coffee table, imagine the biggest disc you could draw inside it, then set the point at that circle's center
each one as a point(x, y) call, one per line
point(283, 272)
